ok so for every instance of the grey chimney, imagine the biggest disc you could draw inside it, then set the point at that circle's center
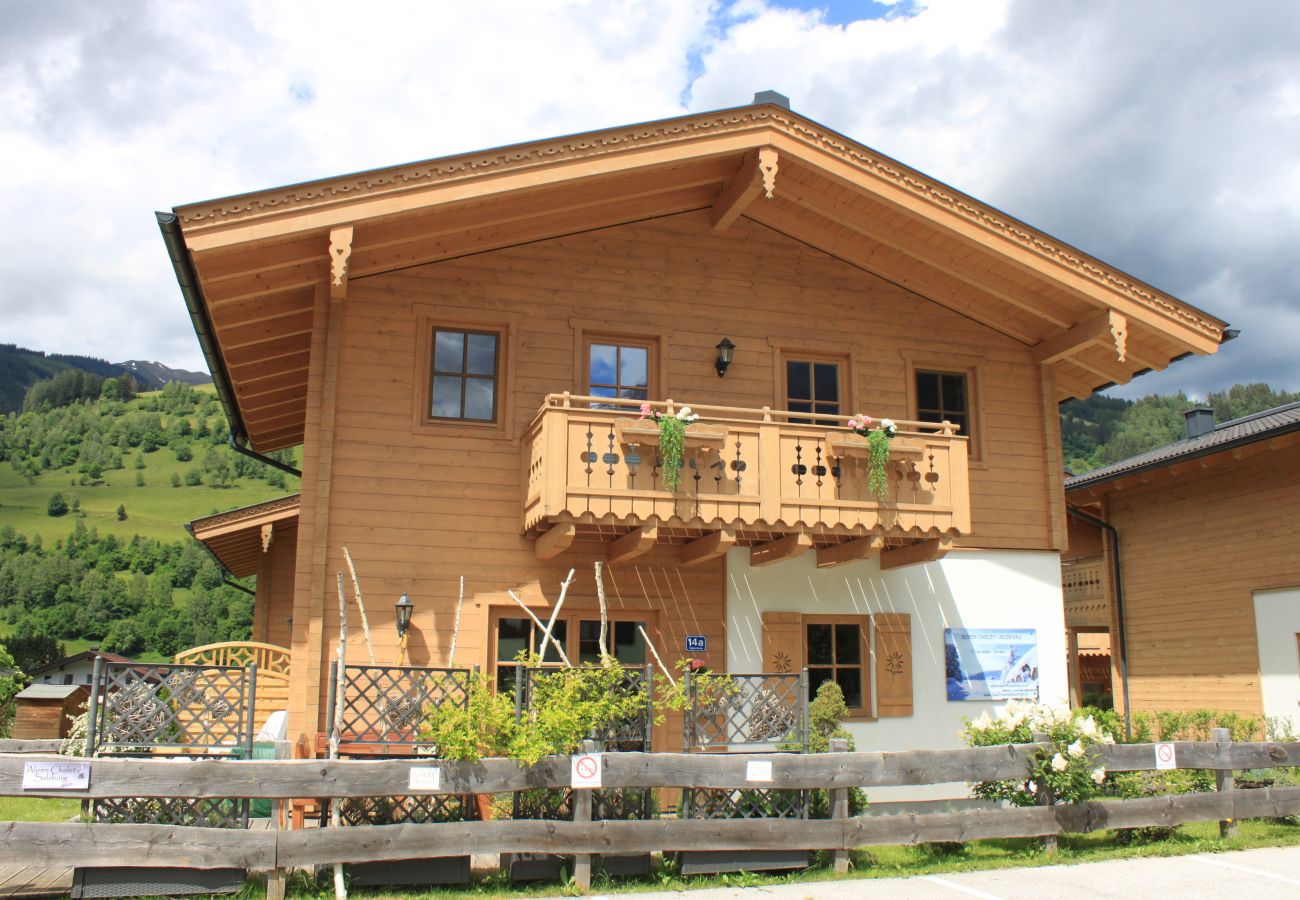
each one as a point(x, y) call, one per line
point(776, 99)
point(1199, 421)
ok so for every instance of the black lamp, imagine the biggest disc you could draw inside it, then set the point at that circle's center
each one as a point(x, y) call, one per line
point(404, 608)
point(725, 347)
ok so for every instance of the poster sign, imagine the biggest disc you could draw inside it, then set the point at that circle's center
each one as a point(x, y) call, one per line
point(585, 771)
point(425, 778)
point(696, 643)
point(1166, 756)
point(991, 663)
point(56, 776)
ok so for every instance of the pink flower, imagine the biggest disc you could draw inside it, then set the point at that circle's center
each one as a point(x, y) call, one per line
point(646, 410)
point(866, 421)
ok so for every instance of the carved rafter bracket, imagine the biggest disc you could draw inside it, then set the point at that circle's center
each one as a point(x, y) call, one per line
point(1107, 329)
point(767, 165)
point(340, 254)
point(757, 175)
point(268, 534)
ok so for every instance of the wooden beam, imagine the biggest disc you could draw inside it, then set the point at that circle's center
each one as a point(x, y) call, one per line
point(555, 541)
point(708, 548)
point(920, 552)
point(862, 548)
point(340, 253)
point(788, 547)
point(1070, 386)
point(636, 542)
point(1108, 327)
point(736, 194)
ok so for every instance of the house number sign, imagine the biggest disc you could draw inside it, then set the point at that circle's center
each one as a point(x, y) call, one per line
point(56, 776)
point(697, 643)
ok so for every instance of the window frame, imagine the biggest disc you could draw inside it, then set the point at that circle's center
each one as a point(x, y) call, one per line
point(464, 375)
point(429, 319)
point(952, 365)
point(786, 353)
point(571, 618)
point(591, 331)
point(866, 644)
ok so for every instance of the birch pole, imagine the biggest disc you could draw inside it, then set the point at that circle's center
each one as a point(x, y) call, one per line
point(538, 623)
point(546, 636)
point(651, 644)
point(604, 614)
point(336, 733)
point(455, 628)
point(361, 605)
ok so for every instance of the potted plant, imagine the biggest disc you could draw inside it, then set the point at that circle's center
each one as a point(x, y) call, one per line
point(674, 433)
point(873, 438)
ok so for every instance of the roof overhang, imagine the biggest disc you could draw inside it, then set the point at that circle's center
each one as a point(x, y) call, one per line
point(258, 260)
point(241, 538)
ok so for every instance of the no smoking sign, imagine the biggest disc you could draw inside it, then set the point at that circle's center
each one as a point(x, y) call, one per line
point(585, 770)
point(1166, 758)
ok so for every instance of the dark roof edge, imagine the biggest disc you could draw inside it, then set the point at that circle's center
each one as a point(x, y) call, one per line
point(187, 279)
point(1208, 450)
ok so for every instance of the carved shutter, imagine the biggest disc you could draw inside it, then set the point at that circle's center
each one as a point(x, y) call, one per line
point(893, 664)
point(782, 642)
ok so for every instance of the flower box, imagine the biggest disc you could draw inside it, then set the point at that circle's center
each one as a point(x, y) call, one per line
point(848, 443)
point(646, 431)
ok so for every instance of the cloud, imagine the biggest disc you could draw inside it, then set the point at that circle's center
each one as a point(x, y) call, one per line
point(1158, 136)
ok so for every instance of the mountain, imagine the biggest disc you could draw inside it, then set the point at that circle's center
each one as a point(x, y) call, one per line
point(154, 375)
point(20, 368)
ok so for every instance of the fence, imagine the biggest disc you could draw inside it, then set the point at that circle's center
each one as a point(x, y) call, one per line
point(96, 844)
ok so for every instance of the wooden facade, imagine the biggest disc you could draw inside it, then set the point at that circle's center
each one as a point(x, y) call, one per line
point(323, 304)
point(1199, 537)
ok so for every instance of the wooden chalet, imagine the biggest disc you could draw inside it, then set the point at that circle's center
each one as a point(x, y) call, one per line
point(460, 347)
point(1189, 560)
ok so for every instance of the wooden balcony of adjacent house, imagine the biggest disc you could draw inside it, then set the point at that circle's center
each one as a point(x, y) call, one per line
point(777, 482)
point(1086, 585)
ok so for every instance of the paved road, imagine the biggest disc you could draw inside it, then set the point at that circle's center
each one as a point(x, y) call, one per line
point(1269, 872)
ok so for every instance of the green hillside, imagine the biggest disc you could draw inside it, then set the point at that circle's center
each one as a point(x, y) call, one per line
point(93, 499)
point(19, 370)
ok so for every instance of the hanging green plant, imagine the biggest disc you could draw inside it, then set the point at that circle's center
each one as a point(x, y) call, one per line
point(672, 440)
point(878, 439)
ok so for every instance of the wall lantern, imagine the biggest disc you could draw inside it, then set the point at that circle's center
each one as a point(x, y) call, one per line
point(724, 356)
point(404, 608)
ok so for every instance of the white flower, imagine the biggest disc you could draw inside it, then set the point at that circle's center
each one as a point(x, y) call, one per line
point(1075, 749)
point(1059, 763)
point(983, 723)
point(1032, 786)
point(1106, 738)
point(684, 413)
point(888, 427)
point(1099, 775)
point(1088, 728)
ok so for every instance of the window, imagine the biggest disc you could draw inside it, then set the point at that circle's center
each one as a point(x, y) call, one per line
point(836, 650)
point(813, 385)
point(578, 634)
point(943, 396)
point(619, 367)
point(464, 376)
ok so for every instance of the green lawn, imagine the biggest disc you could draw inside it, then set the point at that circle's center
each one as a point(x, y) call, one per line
point(38, 809)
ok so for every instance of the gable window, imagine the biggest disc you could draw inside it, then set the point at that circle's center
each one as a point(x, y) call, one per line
point(813, 386)
point(619, 368)
point(464, 375)
point(943, 396)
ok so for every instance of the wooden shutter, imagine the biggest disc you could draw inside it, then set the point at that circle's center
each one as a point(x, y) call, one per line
point(782, 642)
point(893, 664)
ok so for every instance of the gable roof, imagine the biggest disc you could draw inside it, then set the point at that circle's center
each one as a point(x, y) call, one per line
point(240, 537)
point(76, 658)
point(251, 267)
point(1251, 429)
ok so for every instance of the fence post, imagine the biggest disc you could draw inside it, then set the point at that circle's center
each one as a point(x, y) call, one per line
point(1046, 797)
point(275, 879)
point(1223, 781)
point(839, 798)
point(582, 813)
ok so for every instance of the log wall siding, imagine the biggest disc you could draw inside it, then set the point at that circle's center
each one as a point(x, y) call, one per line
point(273, 607)
point(418, 507)
point(1195, 547)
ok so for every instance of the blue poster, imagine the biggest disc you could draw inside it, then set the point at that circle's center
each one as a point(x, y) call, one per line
point(991, 663)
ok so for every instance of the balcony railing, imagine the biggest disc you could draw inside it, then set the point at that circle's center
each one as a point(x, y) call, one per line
point(593, 462)
point(1086, 585)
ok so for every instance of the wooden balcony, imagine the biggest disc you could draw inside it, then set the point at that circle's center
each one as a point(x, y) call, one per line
point(1086, 585)
point(751, 477)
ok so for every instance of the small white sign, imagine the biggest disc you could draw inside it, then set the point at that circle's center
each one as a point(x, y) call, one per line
point(56, 776)
point(585, 770)
point(425, 778)
point(758, 770)
point(1166, 758)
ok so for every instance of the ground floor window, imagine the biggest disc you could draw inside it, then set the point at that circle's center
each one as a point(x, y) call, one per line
point(578, 634)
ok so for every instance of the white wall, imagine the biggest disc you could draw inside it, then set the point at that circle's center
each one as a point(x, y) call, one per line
point(1277, 623)
point(966, 589)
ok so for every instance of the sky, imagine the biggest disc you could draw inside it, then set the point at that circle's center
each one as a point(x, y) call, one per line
point(1162, 136)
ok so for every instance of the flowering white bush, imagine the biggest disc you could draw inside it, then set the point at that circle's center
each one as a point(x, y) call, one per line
point(1066, 766)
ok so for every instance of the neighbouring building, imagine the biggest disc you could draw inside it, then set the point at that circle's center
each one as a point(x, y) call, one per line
point(75, 669)
point(460, 348)
point(1205, 611)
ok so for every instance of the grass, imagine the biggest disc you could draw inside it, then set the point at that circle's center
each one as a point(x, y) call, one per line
point(38, 809)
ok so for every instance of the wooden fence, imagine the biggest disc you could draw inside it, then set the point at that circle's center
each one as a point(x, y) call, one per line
point(80, 844)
